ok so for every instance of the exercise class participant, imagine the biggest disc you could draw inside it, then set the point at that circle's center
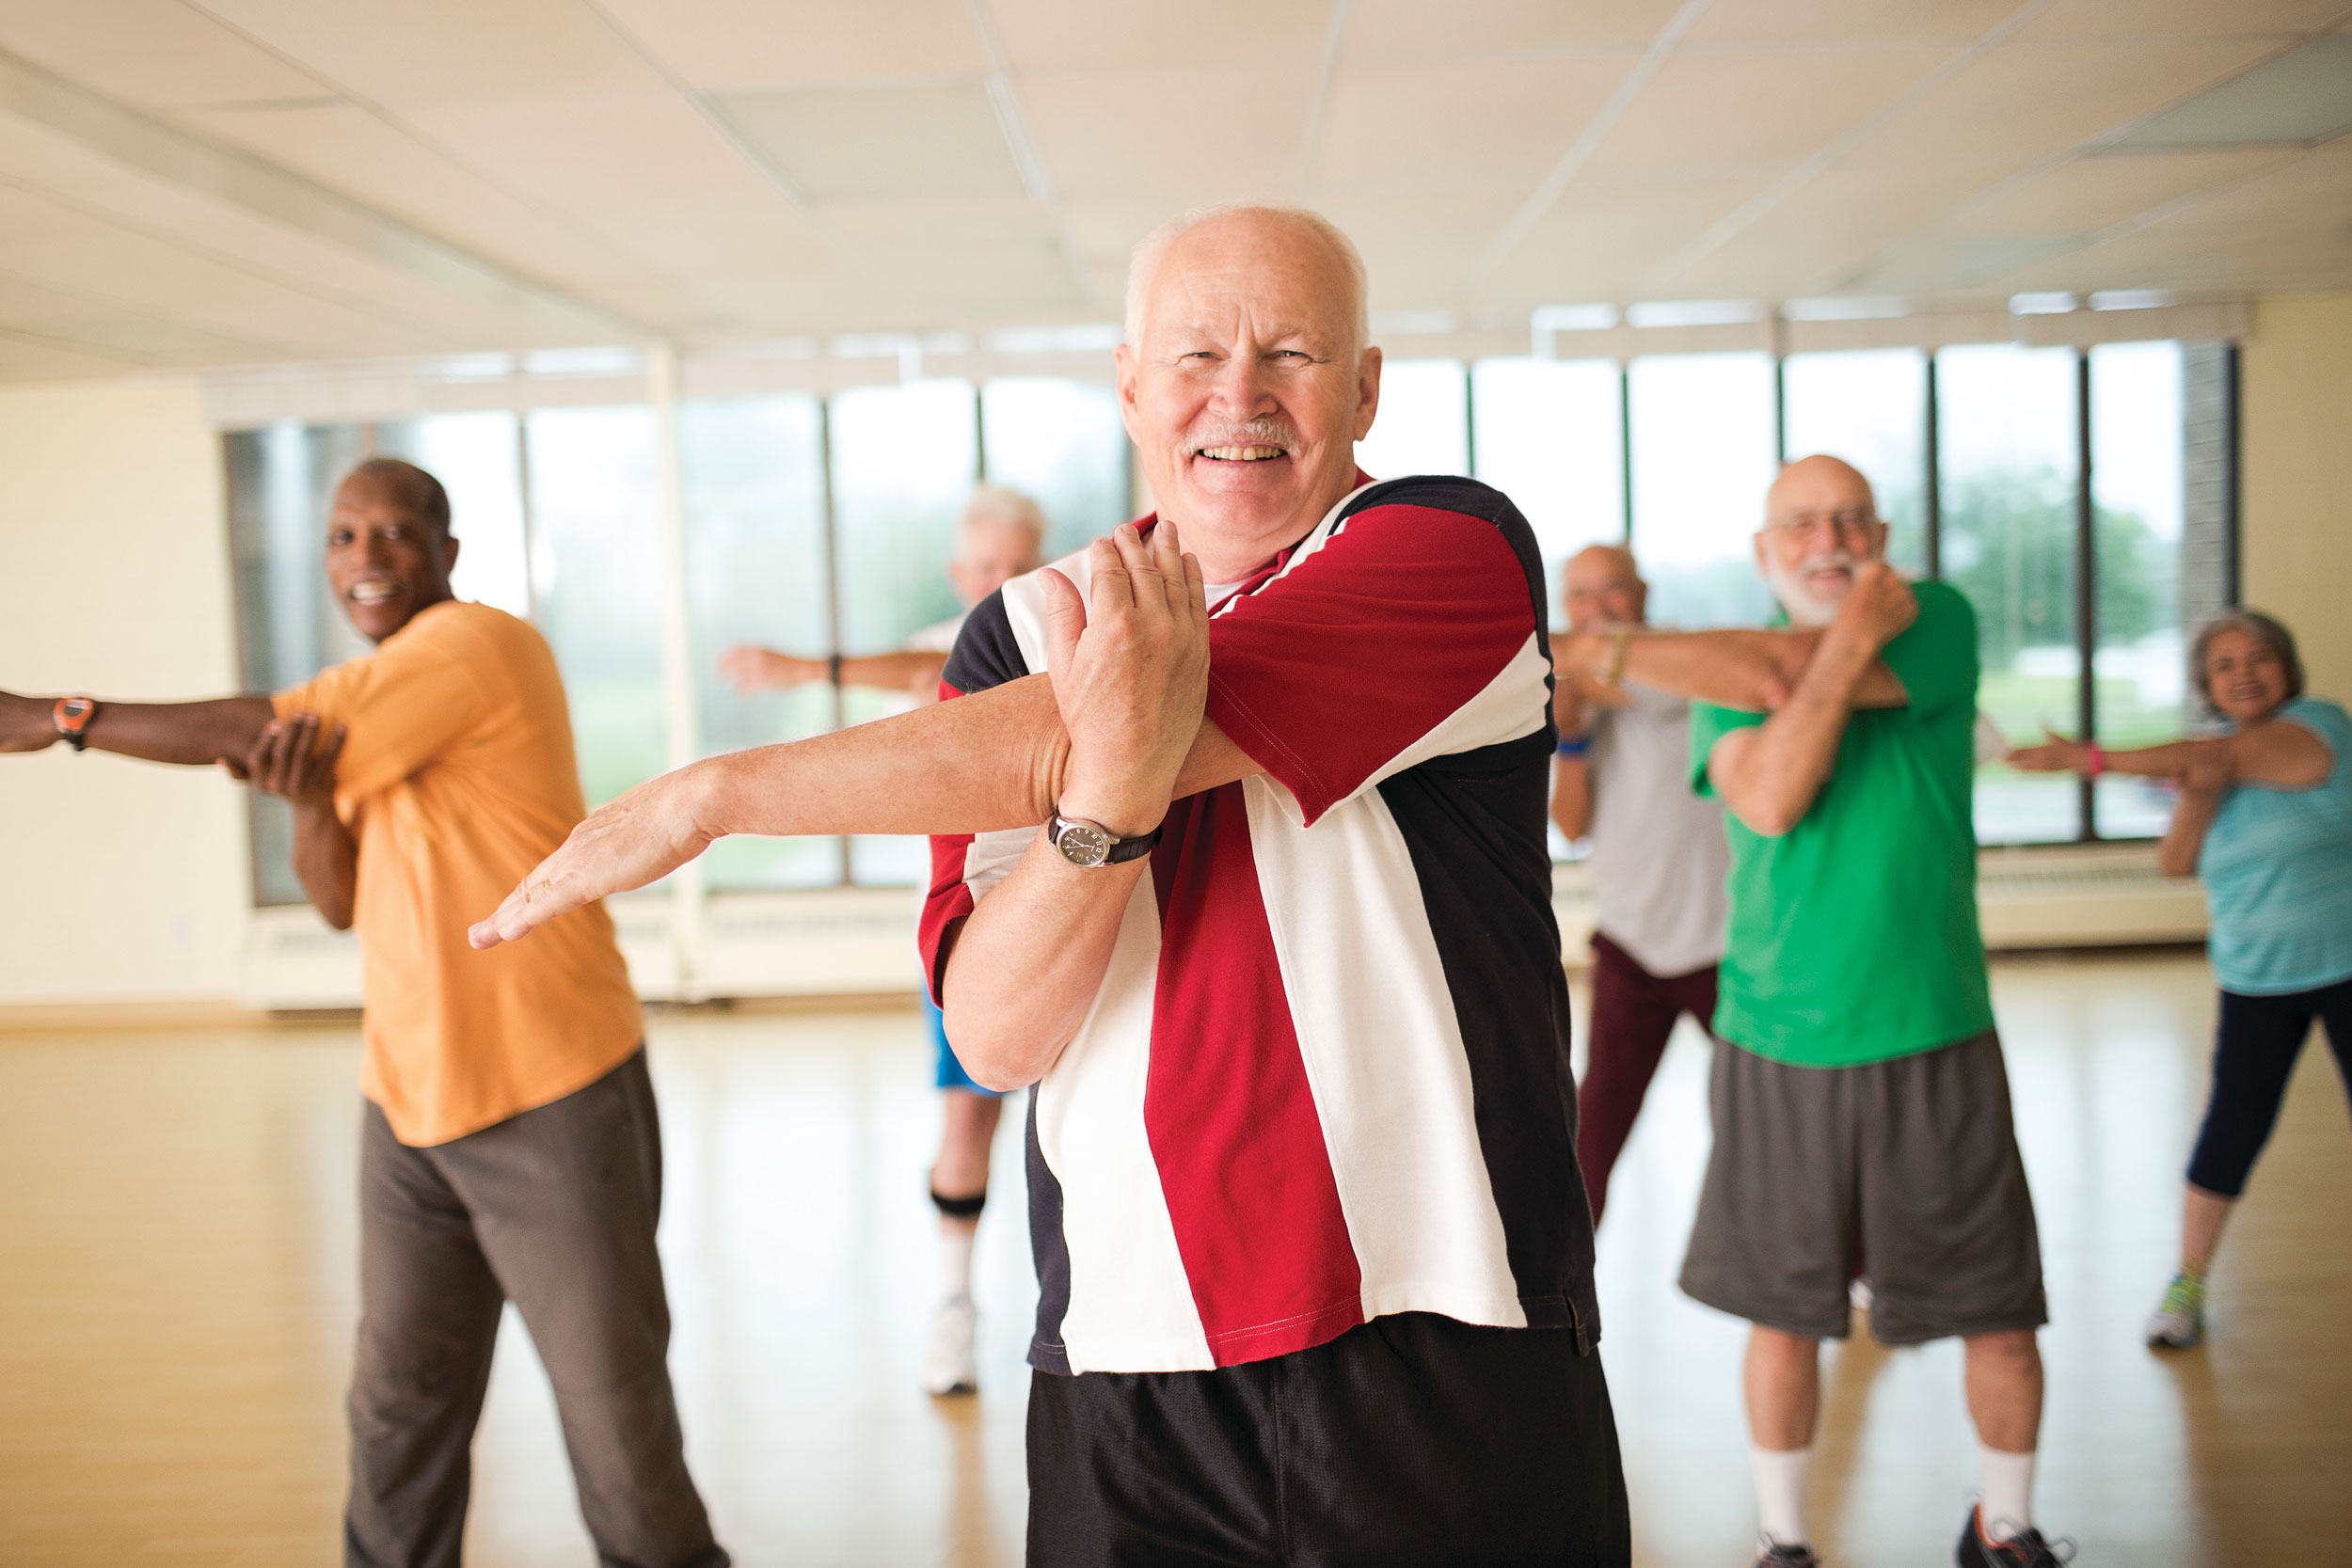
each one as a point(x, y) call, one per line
point(1859, 1099)
point(1000, 537)
point(2264, 817)
point(510, 1147)
point(1658, 864)
point(1315, 1264)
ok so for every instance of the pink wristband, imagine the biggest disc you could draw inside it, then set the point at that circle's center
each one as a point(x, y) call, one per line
point(2098, 762)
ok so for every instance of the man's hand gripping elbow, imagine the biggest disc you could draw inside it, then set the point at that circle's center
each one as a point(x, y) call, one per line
point(1130, 665)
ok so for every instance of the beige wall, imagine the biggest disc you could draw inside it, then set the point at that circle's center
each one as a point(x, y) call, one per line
point(2298, 434)
point(120, 881)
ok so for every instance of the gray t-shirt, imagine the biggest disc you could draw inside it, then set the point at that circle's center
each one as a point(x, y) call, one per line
point(1659, 855)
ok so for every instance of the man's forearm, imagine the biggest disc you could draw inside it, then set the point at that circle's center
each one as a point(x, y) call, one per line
point(193, 734)
point(1769, 776)
point(996, 759)
point(1029, 963)
point(1744, 668)
point(326, 862)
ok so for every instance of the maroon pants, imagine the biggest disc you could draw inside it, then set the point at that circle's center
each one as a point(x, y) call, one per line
point(1633, 1012)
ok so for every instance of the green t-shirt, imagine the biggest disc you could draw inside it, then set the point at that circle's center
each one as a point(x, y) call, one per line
point(1853, 936)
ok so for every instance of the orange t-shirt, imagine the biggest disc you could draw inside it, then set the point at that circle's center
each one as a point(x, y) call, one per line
point(457, 778)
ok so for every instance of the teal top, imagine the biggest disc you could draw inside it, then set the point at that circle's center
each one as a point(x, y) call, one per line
point(2277, 871)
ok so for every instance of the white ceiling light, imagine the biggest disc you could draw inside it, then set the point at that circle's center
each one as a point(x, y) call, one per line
point(2053, 303)
point(2131, 299)
point(1407, 323)
point(1693, 312)
point(2301, 96)
point(1572, 318)
point(1846, 307)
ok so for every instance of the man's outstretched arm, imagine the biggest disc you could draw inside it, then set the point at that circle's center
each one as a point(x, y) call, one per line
point(195, 734)
point(1751, 669)
point(996, 759)
point(1768, 775)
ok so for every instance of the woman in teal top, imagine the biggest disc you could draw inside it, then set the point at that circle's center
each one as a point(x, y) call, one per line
point(2265, 819)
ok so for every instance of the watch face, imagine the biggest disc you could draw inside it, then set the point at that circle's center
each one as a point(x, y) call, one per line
point(1083, 843)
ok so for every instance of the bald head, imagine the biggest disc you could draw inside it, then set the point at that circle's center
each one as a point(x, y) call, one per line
point(1601, 586)
point(1292, 231)
point(403, 485)
point(1820, 523)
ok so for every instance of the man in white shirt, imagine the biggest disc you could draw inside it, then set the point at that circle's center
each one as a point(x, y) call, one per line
point(1001, 536)
point(1658, 866)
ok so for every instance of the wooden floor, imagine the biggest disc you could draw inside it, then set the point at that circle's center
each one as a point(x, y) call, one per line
point(177, 1297)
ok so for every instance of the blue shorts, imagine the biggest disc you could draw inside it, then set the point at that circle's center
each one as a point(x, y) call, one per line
point(952, 1074)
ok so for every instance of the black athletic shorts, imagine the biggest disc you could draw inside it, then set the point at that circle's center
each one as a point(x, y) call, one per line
point(1904, 1171)
point(1412, 1439)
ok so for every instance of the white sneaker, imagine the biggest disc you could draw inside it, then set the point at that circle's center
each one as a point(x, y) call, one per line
point(2179, 1320)
point(1859, 1293)
point(947, 1366)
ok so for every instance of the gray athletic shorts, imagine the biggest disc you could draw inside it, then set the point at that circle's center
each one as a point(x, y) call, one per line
point(1904, 1172)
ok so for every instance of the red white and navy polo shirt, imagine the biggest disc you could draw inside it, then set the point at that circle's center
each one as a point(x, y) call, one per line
point(1326, 1076)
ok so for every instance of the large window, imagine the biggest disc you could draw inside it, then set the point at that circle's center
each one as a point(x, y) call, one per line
point(819, 524)
point(2008, 444)
point(1549, 434)
point(1702, 427)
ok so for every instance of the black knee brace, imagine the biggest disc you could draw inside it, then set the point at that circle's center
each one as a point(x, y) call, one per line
point(960, 1208)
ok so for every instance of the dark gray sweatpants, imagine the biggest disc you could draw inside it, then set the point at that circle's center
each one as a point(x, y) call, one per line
point(554, 1209)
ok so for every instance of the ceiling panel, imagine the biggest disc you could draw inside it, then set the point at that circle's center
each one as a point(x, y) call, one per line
point(1727, 112)
point(350, 149)
point(155, 54)
point(744, 45)
point(1816, 240)
point(2029, 101)
point(2179, 19)
point(2086, 195)
point(440, 51)
point(1171, 138)
point(1049, 36)
point(1784, 23)
point(1454, 138)
point(894, 141)
point(1416, 30)
point(1599, 239)
point(26, 356)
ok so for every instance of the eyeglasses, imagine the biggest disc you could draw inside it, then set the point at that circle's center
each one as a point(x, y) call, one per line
point(1850, 522)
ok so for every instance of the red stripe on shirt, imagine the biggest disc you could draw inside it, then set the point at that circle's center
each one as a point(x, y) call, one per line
point(1227, 1109)
point(1327, 673)
point(948, 900)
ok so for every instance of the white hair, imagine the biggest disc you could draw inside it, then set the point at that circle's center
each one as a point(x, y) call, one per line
point(1143, 268)
point(998, 506)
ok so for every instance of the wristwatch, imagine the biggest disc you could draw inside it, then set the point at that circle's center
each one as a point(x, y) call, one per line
point(72, 717)
point(1090, 844)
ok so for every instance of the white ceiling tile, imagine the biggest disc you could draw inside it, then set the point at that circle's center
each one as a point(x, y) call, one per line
point(155, 54)
point(1417, 30)
point(2027, 101)
point(1784, 23)
point(35, 358)
point(740, 45)
point(1042, 36)
point(1176, 137)
point(2085, 195)
point(346, 148)
point(1731, 112)
point(893, 141)
point(1598, 240)
point(2069, 20)
point(435, 51)
point(1491, 124)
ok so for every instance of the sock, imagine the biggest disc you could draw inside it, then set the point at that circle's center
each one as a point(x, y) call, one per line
point(955, 1256)
point(1780, 1476)
point(2007, 1509)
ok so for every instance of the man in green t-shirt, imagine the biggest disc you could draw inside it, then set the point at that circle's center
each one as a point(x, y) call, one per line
point(1860, 1103)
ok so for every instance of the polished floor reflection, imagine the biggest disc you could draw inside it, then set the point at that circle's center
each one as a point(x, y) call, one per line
point(176, 1272)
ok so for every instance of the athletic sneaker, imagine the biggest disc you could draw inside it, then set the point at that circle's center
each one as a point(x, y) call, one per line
point(1859, 1293)
point(2179, 1320)
point(947, 1366)
point(2029, 1550)
point(1780, 1554)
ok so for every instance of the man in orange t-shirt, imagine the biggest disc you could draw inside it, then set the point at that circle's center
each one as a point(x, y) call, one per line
point(510, 1147)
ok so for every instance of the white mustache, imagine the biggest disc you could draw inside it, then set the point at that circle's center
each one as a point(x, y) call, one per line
point(1827, 560)
point(1248, 433)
